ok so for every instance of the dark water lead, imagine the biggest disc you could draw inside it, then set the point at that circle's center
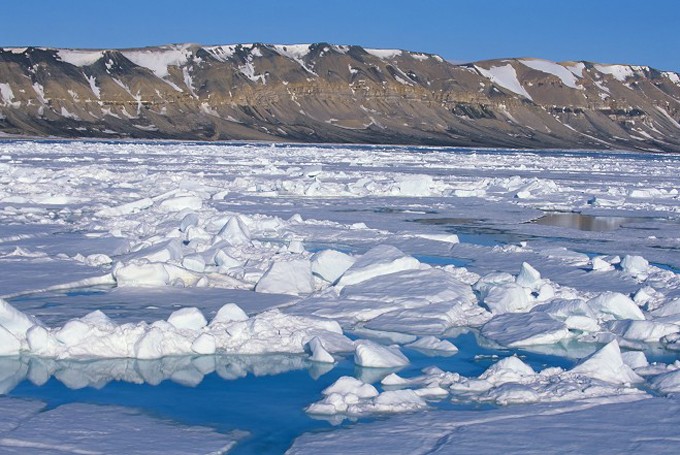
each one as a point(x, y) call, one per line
point(584, 222)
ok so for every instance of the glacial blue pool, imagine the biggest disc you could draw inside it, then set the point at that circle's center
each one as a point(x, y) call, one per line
point(264, 396)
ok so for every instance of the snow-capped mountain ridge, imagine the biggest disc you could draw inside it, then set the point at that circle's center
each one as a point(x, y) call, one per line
point(335, 93)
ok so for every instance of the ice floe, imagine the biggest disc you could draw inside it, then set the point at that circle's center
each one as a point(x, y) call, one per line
point(185, 332)
point(87, 428)
point(353, 398)
point(370, 354)
point(598, 425)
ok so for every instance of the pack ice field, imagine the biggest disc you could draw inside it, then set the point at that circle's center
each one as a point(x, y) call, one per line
point(182, 298)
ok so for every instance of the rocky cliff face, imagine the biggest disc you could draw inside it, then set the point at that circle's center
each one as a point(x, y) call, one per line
point(329, 93)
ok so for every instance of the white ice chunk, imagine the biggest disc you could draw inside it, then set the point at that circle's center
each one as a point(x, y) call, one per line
point(347, 384)
point(393, 401)
point(14, 321)
point(616, 305)
point(431, 343)
point(635, 265)
point(41, 341)
point(9, 344)
point(229, 312)
point(97, 336)
point(223, 259)
point(635, 359)
point(287, 277)
point(194, 262)
point(509, 369)
point(188, 318)
point(646, 331)
point(582, 323)
point(166, 251)
point(668, 382)
point(607, 365)
point(512, 393)
point(370, 354)
point(445, 238)
point(176, 204)
point(395, 380)
point(141, 274)
point(189, 220)
point(507, 298)
point(535, 187)
point(563, 308)
point(296, 247)
point(159, 342)
point(125, 209)
point(490, 280)
point(312, 170)
point(98, 259)
point(329, 265)
point(380, 260)
point(414, 185)
point(529, 277)
point(668, 309)
point(600, 265)
point(235, 232)
point(352, 397)
point(319, 353)
point(525, 329)
point(204, 344)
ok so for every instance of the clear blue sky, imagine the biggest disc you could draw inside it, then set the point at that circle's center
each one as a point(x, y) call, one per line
point(613, 31)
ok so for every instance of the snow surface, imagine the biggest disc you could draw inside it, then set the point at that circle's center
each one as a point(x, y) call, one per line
point(184, 253)
point(295, 52)
point(619, 72)
point(385, 54)
point(26, 427)
point(6, 93)
point(567, 76)
point(504, 76)
point(79, 57)
point(597, 426)
point(158, 60)
point(221, 53)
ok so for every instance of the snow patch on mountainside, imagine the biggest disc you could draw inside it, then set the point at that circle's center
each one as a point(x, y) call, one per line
point(506, 77)
point(567, 77)
point(385, 54)
point(221, 53)
point(619, 72)
point(158, 60)
point(295, 52)
point(79, 57)
point(6, 93)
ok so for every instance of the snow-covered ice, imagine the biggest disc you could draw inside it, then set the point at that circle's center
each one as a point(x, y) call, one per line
point(591, 426)
point(117, 254)
point(28, 428)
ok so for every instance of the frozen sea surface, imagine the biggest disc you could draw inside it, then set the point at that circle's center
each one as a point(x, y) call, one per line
point(239, 297)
